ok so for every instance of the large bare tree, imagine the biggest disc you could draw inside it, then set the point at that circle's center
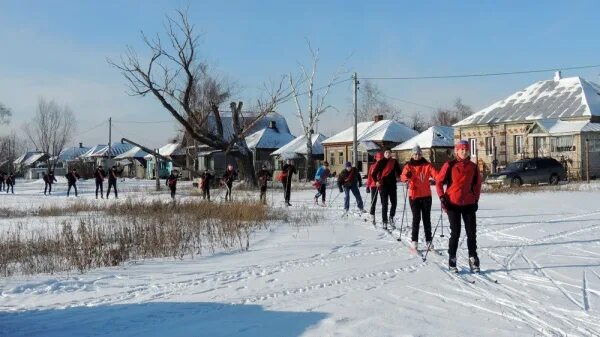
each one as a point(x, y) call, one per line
point(11, 146)
point(315, 104)
point(52, 127)
point(5, 114)
point(176, 76)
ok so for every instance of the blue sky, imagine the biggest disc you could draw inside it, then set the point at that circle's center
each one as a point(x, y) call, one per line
point(58, 49)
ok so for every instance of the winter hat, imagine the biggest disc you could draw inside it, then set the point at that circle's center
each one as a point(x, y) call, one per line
point(325, 163)
point(416, 150)
point(348, 164)
point(462, 144)
point(378, 155)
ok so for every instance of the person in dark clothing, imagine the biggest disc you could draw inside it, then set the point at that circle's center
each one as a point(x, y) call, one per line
point(10, 183)
point(205, 184)
point(99, 175)
point(2, 180)
point(263, 177)
point(417, 173)
point(113, 175)
point(228, 177)
point(172, 182)
point(350, 180)
point(372, 187)
point(49, 179)
point(72, 178)
point(385, 174)
point(460, 199)
point(288, 171)
point(321, 180)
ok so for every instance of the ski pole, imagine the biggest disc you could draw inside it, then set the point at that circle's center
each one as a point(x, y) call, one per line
point(403, 212)
point(430, 242)
point(442, 223)
point(373, 201)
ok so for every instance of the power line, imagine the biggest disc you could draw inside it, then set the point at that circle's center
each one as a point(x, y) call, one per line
point(93, 128)
point(410, 102)
point(142, 122)
point(479, 75)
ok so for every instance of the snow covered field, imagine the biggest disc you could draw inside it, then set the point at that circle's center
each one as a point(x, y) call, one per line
point(336, 277)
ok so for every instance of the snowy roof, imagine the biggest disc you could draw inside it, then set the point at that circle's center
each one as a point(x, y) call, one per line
point(297, 147)
point(169, 150)
point(94, 150)
point(368, 145)
point(558, 127)
point(384, 130)
point(72, 153)
point(268, 138)
point(115, 150)
point(134, 152)
point(29, 158)
point(570, 97)
point(262, 123)
point(435, 136)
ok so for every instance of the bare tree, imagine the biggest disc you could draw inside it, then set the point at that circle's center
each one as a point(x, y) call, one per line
point(177, 78)
point(417, 122)
point(51, 129)
point(451, 116)
point(5, 114)
point(10, 147)
point(315, 105)
point(372, 103)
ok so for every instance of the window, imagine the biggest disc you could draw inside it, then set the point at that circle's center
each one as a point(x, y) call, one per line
point(341, 158)
point(489, 145)
point(594, 145)
point(332, 158)
point(518, 144)
point(473, 143)
point(561, 144)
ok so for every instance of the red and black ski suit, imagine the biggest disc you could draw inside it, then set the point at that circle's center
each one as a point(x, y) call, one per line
point(386, 172)
point(416, 174)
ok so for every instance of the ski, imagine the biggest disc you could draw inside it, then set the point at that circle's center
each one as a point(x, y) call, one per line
point(486, 277)
point(461, 276)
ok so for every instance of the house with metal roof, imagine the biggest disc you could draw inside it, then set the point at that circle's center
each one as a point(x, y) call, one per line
point(436, 143)
point(133, 163)
point(372, 136)
point(297, 150)
point(558, 118)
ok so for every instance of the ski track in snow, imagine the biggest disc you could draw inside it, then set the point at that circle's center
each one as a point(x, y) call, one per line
point(329, 271)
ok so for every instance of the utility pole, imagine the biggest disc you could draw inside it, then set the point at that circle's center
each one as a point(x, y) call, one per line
point(354, 99)
point(156, 171)
point(109, 140)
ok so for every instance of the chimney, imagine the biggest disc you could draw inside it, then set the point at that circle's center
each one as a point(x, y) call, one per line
point(273, 125)
point(557, 75)
point(377, 118)
point(80, 145)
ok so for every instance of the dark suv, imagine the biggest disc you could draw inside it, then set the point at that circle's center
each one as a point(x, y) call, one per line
point(529, 171)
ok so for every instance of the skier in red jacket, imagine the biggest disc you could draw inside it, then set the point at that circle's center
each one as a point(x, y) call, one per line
point(460, 199)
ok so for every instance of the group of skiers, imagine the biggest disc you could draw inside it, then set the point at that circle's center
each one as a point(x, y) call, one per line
point(7, 182)
point(458, 186)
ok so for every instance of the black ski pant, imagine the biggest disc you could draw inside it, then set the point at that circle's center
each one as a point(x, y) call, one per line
point(100, 187)
point(228, 186)
point(10, 187)
point(113, 184)
point(2, 185)
point(173, 190)
point(468, 216)
point(287, 190)
point(374, 193)
point(47, 188)
point(321, 192)
point(388, 193)
point(421, 209)
point(263, 194)
point(206, 193)
point(74, 185)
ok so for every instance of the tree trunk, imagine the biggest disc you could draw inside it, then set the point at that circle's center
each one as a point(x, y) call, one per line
point(309, 167)
point(246, 167)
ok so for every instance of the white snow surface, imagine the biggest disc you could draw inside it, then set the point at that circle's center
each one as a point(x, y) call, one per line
point(435, 136)
point(384, 130)
point(268, 138)
point(298, 146)
point(335, 277)
point(572, 97)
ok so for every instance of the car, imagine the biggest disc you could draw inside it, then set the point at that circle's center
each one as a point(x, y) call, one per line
point(529, 171)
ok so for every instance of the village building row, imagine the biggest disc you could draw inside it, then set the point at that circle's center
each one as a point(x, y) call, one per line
point(558, 118)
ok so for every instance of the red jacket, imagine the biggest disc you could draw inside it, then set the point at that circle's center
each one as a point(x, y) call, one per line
point(418, 183)
point(370, 181)
point(465, 182)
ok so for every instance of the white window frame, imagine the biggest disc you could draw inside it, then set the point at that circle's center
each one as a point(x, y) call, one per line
point(518, 144)
point(489, 145)
point(473, 144)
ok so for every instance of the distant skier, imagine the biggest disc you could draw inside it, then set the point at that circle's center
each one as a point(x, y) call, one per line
point(113, 175)
point(172, 182)
point(205, 184)
point(72, 178)
point(49, 179)
point(350, 180)
point(372, 187)
point(2, 180)
point(460, 199)
point(321, 181)
point(386, 172)
point(228, 177)
point(10, 183)
point(416, 174)
point(263, 177)
point(288, 171)
point(99, 175)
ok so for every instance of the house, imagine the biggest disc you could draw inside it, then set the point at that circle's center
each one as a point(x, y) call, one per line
point(437, 144)
point(31, 164)
point(263, 142)
point(101, 155)
point(217, 160)
point(296, 150)
point(70, 157)
point(372, 136)
point(133, 163)
point(558, 118)
point(174, 151)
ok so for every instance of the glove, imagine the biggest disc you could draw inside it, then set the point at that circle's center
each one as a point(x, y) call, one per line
point(341, 190)
point(444, 202)
point(475, 207)
point(368, 190)
point(409, 174)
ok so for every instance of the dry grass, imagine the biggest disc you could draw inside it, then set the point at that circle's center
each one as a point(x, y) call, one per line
point(112, 234)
